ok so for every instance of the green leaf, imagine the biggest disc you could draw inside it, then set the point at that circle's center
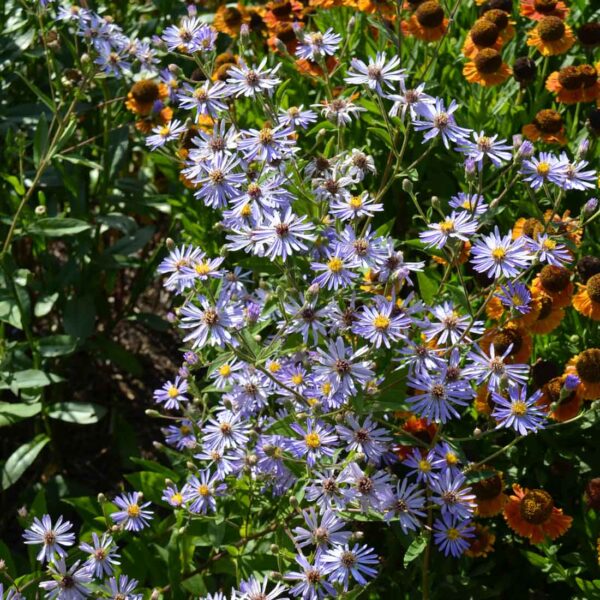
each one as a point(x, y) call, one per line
point(57, 345)
point(9, 311)
point(537, 560)
point(415, 549)
point(12, 412)
point(40, 139)
point(27, 379)
point(82, 413)
point(22, 458)
point(79, 316)
point(15, 182)
point(59, 226)
point(428, 284)
point(44, 304)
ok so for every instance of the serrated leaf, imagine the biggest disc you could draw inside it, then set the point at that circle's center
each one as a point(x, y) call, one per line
point(21, 459)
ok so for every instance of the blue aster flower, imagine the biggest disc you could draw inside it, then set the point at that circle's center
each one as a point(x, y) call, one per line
point(451, 534)
point(484, 146)
point(51, 537)
point(381, 324)
point(548, 250)
point(321, 531)
point(102, 555)
point(499, 255)
point(366, 438)
point(311, 580)
point(494, 370)
point(451, 493)
point(421, 465)
point(202, 490)
point(458, 225)
point(316, 45)
point(515, 296)
point(546, 168)
point(172, 393)
point(133, 514)
point(437, 120)
point(377, 73)
point(316, 440)
point(518, 412)
point(343, 562)
point(407, 503)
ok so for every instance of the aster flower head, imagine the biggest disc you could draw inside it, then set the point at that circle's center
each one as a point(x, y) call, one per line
point(377, 74)
point(451, 534)
point(51, 537)
point(381, 324)
point(175, 262)
point(228, 430)
point(494, 370)
point(187, 37)
point(103, 554)
point(343, 562)
point(348, 207)
point(449, 326)
point(458, 225)
point(411, 100)
point(267, 144)
point(421, 465)
point(472, 203)
point(499, 255)
point(548, 250)
point(452, 495)
point(172, 393)
point(165, 133)
point(251, 81)
point(316, 45)
point(518, 412)
point(321, 531)
point(122, 588)
point(407, 503)
point(483, 147)
point(200, 491)
point(339, 111)
point(368, 489)
point(515, 296)
point(437, 120)
point(297, 117)
point(67, 583)
point(311, 580)
point(205, 99)
point(284, 235)
point(545, 168)
point(328, 490)
point(132, 514)
point(172, 496)
point(336, 272)
point(254, 589)
point(576, 177)
point(316, 440)
point(366, 438)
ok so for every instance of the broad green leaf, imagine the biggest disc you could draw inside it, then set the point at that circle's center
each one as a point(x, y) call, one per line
point(27, 379)
point(12, 412)
point(82, 413)
point(22, 458)
point(44, 304)
point(79, 316)
point(428, 284)
point(415, 549)
point(57, 345)
point(9, 311)
point(59, 226)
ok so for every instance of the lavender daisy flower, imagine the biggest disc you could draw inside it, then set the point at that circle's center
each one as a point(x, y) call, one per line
point(205, 100)
point(406, 503)
point(51, 537)
point(520, 413)
point(311, 580)
point(451, 534)
point(411, 100)
point(458, 226)
point(453, 496)
point(328, 491)
point(500, 255)
point(483, 146)
point(446, 459)
point(210, 324)
point(575, 176)
point(227, 430)
point(132, 515)
point(174, 264)
point(304, 318)
point(472, 203)
point(111, 61)
point(437, 120)
point(547, 168)
point(419, 358)
point(365, 247)
point(172, 393)
point(249, 82)
point(348, 207)
point(438, 396)
point(181, 436)
point(393, 267)
point(317, 45)
point(340, 366)
point(515, 296)
point(102, 555)
point(367, 490)
point(226, 374)
point(165, 133)
point(368, 439)
point(202, 268)
point(494, 370)
point(318, 440)
point(186, 37)
point(297, 117)
point(283, 235)
point(380, 324)
point(122, 588)
point(200, 491)
point(267, 144)
point(450, 326)
point(253, 589)
point(376, 74)
point(321, 532)
point(67, 584)
point(335, 273)
point(421, 465)
point(172, 496)
point(341, 563)
point(339, 111)
point(11, 594)
point(548, 250)
point(357, 165)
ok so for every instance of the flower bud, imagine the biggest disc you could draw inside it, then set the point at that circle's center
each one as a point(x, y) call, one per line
point(470, 167)
point(590, 207)
point(170, 244)
point(583, 148)
point(407, 186)
point(244, 30)
point(571, 382)
point(190, 466)
point(294, 502)
point(274, 548)
point(40, 210)
point(155, 595)
point(23, 512)
point(101, 498)
point(435, 202)
point(477, 432)
point(526, 150)
point(154, 414)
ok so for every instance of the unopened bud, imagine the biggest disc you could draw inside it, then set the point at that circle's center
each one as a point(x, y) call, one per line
point(170, 244)
point(294, 502)
point(360, 456)
point(274, 548)
point(583, 148)
point(435, 202)
point(494, 203)
point(22, 512)
point(477, 432)
point(590, 207)
point(190, 466)
point(116, 528)
point(244, 30)
point(40, 210)
point(257, 337)
point(85, 58)
point(407, 186)
point(276, 576)
point(169, 482)
point(322, 133)
point(158, 445)
point(351, 23)
point(313, 290)
point(155, 595)
point(2, 565)
point(358, 535)
point(101, 498)
point(150, 412)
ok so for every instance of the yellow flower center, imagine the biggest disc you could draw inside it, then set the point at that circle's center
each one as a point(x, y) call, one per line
point(498, 253)
point(133, 510)
point(204, 490)
point(447, 226)
point(274, 367)
point(453, 534)
point(312, 401)
point(381, 322)
point(225, 370)
point(519, 408)
point(516, 300)
point(312, 440)
point(297, 379)
point(549, 244)
point(424, 466)
point(246, 210)
point(543, 168)
point(326, 388)
point(173, 392)
point(164, 131)
point(356, 202)
point(202, 268)
point(451, 458)
point(177, 498)
point(335, 265)
point(184, 430)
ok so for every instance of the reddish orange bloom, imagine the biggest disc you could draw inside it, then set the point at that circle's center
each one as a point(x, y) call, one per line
point(587, 299)
point(383, 7)
point(229, 19)
point(539, 9)
point(284, 11)
point(308, 67)
point(489, 493)
point(143, 96)
point(575, 84)
point(483, 34)
point(560, 409)
point(286, 35)
point(463, 255)
point(532, 514)
point(487, 68)
point(427, 23)
point(546, 126)
point(501, 19)
point(482, 544)
point(509, 335)
point(417, 427)
point(545, 316)
point(556, 282)
point(551, 36)
point(586, 365)
point(484, 404)
point(530, 227)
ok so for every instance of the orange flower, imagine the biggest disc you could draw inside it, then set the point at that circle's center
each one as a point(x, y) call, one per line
point(483, 34)
point(586, 365)
point(508, 335)
point(551, 36)
point(143, 96)
point(539, 9)
point(162, 117)
point(229, 19)
point(487, 68)
point(575, 84)
point(308, 67)
point(484, 404)
point(463, 255)
point(489, 492)
point(427, 23)
point(532, 514)
point(494, 308)
point(556, 282)
point(383, 7)
point(286, 35)
point(284, 11)
point(482, 544)
point(417, 427)
point(546, 126)
point(545, 317)
point(587, 299)
point(501, 19)
point(560, 409)
point(530, 227)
